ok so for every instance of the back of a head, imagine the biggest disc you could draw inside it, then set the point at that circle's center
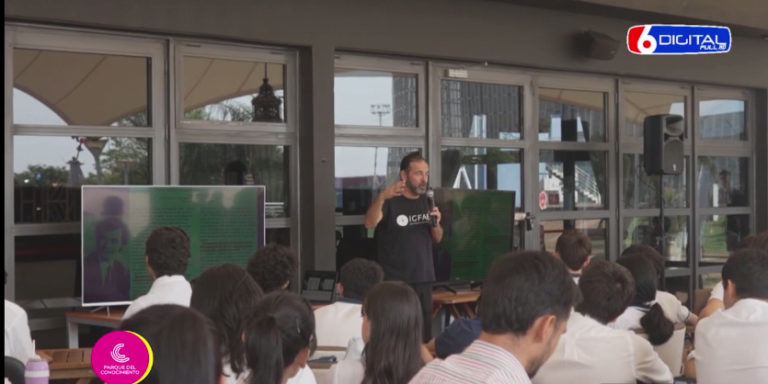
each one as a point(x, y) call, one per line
point(748, 269)
point(523, 286)
point(574, 248)
point(183, 342)
point(758, 241)
point(357, 277)
point(392, 353)
point(282, 326)
point(167, 251)
point(227, 295)
point(650, 253)
point(607, 289)
point(658, 327)
point(273, 266)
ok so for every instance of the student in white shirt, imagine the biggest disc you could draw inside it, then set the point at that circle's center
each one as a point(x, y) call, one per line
point(167, 257)
point(228, 295)
point(574, 248)
point(590, 352)
point(18, 339)
point(338, 322)
point(673, 308)
point(527, 298)
point(644, 313)
point(280, 338)
point(731, 346)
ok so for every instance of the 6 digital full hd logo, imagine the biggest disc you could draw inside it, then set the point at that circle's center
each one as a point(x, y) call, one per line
point(663, 39)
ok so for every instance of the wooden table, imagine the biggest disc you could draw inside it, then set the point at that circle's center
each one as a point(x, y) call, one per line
point(459, 304)
point(68, 363)
point(102, 318)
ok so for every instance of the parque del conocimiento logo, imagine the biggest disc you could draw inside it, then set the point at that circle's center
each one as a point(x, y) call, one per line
point(121, 357)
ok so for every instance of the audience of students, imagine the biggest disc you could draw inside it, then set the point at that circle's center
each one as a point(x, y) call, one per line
point(391, 329)
point(184, 344)
point(644, 313)
point(228, 295)
point(167, 256)
point(273, 267)
point(279, 338)
point(592, 352)
point(527, 298)
point(574, 248)
point(18, 339)
point(731, 346)
point(673, 308)
point(339, 322)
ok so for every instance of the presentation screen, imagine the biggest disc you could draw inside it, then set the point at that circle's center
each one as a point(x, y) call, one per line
point(225, 224)
point(478, 227)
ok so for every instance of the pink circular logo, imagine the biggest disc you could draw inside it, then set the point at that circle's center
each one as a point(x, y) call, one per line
point(121, 357)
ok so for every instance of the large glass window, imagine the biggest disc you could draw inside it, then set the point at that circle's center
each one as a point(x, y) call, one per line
point(219, 89)
point(375, 98)
point(361, 172)
point(569, 115)
point(721, 234)
point(482, 168)
point(647, 230)
point(573, 179)
point(639, 105)
point(480, 110)
point(723, 181)
point(722, 119)
point(641, 190)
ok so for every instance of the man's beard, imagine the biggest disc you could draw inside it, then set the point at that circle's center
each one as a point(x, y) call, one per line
point(417, 189)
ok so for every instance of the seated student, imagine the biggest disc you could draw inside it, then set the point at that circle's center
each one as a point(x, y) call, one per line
point(184, 345)
point(279, 338)
point(338, 322)
point(391, 329)
point(644, 313)
point(227, 295)
point(590, 351)
point(18, 339)
point(167, 257)
point(274, 267)
point(527, 298)
point(731, 346)
point(673, 308)
point(573, 248)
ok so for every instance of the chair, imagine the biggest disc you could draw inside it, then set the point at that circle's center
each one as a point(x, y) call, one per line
point(14, 370)
point(671, 352)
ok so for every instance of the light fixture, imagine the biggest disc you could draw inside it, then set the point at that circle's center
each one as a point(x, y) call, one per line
point(266, 106)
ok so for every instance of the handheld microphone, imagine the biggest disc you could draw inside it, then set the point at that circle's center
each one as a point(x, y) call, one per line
point(431, 202)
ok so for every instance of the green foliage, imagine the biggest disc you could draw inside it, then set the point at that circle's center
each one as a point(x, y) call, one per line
point(42, 176)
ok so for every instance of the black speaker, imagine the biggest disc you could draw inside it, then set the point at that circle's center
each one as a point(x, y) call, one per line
point(596, 45)
point(663, 144)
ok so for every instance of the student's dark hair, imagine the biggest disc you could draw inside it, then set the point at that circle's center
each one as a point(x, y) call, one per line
point(393, 351)
point(658, 327)
point(111, 224)
point(523, 286)
point(607, 290)
point(272, 266)
point(184, 344)
point(574, 248)
point(282, 326)
point(358, 276)
point(227, 295)
point(405, 163)
point(650, 253)
point(748, 268)
point(167, 251)
point(758, 241)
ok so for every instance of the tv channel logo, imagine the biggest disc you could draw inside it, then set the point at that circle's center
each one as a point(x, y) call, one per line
point(665, 39)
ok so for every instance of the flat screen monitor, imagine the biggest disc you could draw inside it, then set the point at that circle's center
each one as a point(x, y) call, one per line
point(478, 227)
point(225, 224)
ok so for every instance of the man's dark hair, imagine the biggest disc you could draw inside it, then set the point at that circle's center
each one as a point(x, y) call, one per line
point(405, 163)
point(273, 266)
point(574, 248)
point(650, 253)
point(748, 269)
point(358, 276)
point(523, 286)
point(607, 289)
point(167, 251)
point(655, 323)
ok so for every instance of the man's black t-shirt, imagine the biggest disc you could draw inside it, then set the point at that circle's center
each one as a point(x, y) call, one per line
point(404, 240)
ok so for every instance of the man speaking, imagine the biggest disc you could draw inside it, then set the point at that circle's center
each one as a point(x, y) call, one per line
point(407, 223)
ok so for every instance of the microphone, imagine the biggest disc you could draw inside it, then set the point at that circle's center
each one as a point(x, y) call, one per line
point(431, 203)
